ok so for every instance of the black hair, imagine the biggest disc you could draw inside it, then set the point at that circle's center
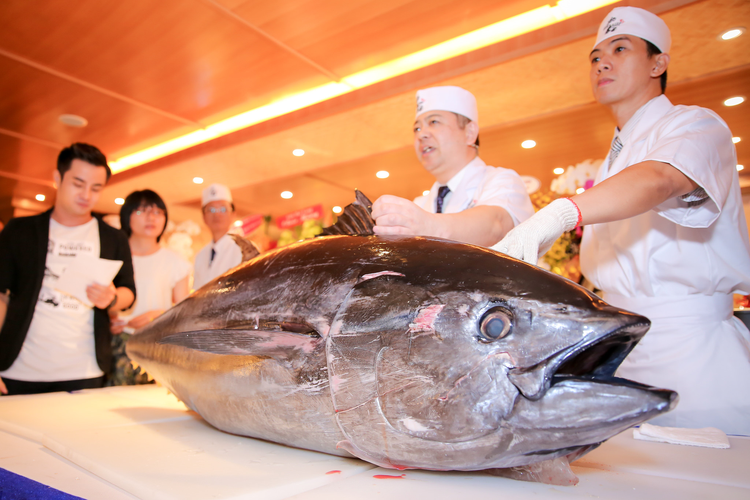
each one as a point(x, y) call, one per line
point(652, 50)
point(462, 122)
point(136, 200)
point(84, 152)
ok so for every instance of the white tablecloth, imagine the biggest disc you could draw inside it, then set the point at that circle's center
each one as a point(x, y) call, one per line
point(140, 442)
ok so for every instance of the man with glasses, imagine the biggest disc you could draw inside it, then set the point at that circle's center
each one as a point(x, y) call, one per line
point(222, 254)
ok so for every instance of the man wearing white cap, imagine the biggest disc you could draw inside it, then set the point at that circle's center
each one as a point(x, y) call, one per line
point(222, 254)
point(665, 234)
point(470, 201)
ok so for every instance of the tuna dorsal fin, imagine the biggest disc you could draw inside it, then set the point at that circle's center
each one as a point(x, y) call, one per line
point(356, 220)
point(249, 250)
point(237, 342)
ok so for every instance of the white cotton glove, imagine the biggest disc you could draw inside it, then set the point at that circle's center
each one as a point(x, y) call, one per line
point(533, 237)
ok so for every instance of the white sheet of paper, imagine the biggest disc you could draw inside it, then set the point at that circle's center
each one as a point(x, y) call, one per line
point(83, 271)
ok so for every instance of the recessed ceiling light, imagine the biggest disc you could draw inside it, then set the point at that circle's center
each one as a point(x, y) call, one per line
point(198, 180)
point(73, 120)
point(237, 223)
point(559, 170)
point(337, 209)
point(382, 174)
point(528, 144)
point(734, 101)
point(736, 139)
point(40, 197)
point(425, 192)
point(119, 201)
point(740, 167)
point(733, 33)
point(298, 152)
point(580, 190)
point(286, 194)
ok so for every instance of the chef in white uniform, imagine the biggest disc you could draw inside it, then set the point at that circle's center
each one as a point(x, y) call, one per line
point(222, 254)
point(470, 201)
point(665, 234)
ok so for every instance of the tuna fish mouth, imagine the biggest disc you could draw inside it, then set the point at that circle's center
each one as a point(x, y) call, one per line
point(595, 359)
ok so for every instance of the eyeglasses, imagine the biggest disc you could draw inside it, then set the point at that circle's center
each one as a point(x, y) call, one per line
point(158, 212)
point(215, 210)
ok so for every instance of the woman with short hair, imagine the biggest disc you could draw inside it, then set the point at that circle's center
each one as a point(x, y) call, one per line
point(161, 276)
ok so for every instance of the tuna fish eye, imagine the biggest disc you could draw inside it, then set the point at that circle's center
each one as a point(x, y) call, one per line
point(495, 325)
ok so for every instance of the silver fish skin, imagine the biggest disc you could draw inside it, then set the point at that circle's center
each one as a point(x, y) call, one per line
point(407, 352)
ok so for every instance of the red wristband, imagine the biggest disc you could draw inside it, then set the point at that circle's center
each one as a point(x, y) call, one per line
point(580, 217)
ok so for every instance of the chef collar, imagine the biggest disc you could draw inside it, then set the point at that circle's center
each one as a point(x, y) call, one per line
point(455, 181)
point(627, 130)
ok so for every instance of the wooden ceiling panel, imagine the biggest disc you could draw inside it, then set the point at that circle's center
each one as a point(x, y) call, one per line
point(695, 29)
point(31, 102)
point(347, 37)
point(27, 158)
point(184, 57)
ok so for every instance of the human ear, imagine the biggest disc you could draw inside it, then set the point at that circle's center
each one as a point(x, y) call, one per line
point(661, 61)
point(56, 178)
point(472, 131)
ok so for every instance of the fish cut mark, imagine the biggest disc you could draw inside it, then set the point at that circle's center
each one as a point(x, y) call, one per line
point(377, 275)
point(425, 320)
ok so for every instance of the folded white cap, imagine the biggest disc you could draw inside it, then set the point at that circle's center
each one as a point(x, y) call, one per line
point(636, 22)
point(453, 99)
point(216, 192)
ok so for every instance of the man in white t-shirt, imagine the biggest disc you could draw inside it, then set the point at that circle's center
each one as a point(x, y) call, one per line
point(665, 235)
point(222, 254)
point(49, 340)
point(470, 201)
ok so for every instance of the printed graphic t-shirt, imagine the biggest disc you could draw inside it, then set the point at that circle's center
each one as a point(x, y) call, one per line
point(60, 342)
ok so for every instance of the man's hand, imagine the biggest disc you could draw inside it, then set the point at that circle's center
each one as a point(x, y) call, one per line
point(145, 318)
point(101, 295)
point(535, 236)
point(394, 215)
point(3, 389)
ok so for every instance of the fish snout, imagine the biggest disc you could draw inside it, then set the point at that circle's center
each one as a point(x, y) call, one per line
point(598, 354)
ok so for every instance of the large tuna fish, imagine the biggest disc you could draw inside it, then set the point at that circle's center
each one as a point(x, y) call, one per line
point(407, 352)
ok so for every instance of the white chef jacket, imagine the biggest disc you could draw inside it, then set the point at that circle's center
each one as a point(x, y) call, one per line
point(228, 255)
point(478, 184)
point(678, 265)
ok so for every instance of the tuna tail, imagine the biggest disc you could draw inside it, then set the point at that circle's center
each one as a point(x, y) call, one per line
point(356, 219)
point(249, 250)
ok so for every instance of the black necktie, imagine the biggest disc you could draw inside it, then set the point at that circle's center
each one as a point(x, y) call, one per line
point(213, 254)
point(442, 193)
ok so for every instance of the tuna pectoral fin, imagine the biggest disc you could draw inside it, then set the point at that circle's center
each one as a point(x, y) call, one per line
point(244, 342)
point(555, 471)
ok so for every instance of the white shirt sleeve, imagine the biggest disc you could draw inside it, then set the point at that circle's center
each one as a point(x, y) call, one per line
point(504, 188)
point(236, 256)
point(200, 276)
point(698, 144)
point(180, 268)
point(421, 201)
